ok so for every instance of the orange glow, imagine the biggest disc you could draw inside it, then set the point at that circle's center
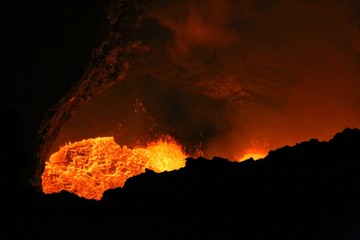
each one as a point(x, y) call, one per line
point(89, 167)
point(255, 152)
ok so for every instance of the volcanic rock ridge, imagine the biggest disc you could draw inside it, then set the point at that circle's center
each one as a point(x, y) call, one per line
point(306, 191)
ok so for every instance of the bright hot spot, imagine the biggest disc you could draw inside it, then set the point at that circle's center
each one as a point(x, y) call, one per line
point(90, 167)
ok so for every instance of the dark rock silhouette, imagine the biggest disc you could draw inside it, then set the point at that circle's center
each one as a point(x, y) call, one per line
point(306, 191)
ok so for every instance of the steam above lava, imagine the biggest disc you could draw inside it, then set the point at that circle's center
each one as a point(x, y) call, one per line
point(219, 75)
point(290, 71)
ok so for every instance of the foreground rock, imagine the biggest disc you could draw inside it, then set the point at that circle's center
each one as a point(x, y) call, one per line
point(306, 191)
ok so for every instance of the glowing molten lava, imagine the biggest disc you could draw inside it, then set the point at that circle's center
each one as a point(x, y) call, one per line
point(255, 152)
point(89, 167)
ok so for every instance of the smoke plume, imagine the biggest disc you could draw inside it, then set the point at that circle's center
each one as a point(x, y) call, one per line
point(222, 75)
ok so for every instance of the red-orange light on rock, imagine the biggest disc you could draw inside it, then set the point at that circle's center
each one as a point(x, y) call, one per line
point(255, 152)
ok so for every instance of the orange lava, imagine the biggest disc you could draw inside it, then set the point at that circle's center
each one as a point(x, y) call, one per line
point(255, 152)
point(90, 167)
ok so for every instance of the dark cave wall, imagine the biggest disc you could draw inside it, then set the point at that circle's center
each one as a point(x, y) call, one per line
point(58, 56)
point(109, 62)
point(46, 48)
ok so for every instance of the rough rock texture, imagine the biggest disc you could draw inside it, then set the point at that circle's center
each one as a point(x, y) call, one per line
point(108, 64)
point(306, 191)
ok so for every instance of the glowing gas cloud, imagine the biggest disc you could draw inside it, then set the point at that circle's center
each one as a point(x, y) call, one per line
point(217, 75)
point(289, 70)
